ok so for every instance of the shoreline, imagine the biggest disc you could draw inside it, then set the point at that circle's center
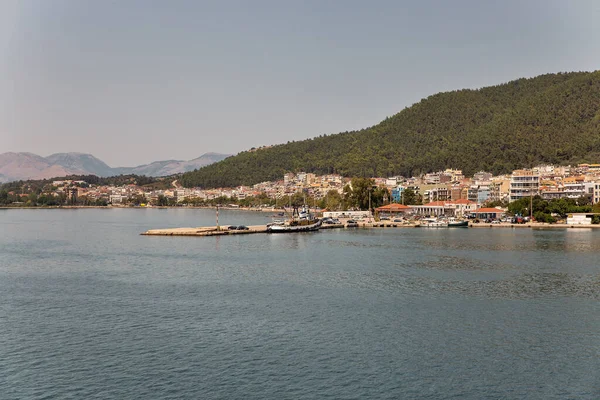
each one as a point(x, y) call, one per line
point(136, 208)
point(379, 224)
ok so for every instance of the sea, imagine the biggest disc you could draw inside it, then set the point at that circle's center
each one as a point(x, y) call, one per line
point(90, 309)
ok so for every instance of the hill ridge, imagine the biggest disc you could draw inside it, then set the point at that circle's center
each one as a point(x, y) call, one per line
point(25, 165)
point(551, 118)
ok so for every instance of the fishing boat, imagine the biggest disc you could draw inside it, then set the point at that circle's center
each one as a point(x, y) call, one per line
point(299, 221)
point(457, 223)
point(433, 223)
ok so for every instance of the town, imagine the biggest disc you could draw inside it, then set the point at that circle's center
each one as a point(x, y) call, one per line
point(430, 194)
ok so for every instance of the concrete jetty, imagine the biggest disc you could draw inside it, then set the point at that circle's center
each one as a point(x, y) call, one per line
point(214, 231)
point(205, 231)
point(223, 230)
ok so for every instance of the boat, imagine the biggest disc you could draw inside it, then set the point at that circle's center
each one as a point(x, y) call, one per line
point(351, 224)
point(457, 223)
point(433, 223)
point(449, 223)
point(300, 221)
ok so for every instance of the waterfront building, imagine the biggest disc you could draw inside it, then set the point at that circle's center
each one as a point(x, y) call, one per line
point(580, 219)
point(524, 183)
point(434, 208)
point(117, 199)
point(393, 209)
point(488, 213)
point(461, 206)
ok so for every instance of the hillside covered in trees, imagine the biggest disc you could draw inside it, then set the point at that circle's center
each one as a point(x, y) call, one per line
point(553, 118)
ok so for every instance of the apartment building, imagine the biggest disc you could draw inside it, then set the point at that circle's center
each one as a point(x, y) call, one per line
point(524, 183)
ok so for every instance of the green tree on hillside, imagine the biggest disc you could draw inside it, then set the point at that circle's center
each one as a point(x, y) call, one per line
point(553, 118)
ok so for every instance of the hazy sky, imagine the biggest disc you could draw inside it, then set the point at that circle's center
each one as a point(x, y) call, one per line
point(137, 81)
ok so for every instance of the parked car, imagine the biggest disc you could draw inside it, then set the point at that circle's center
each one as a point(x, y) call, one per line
point(238, 228)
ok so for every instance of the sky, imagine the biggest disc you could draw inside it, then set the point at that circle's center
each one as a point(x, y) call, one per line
point(136, 81)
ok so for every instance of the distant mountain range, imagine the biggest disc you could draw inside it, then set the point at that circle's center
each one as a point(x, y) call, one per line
point(22, 166)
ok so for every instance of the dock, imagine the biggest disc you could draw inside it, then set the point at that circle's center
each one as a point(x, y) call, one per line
point(224, 230)
point(205, 231)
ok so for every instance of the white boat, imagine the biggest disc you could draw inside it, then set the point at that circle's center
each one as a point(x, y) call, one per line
point(300, 221)
point(433, 223)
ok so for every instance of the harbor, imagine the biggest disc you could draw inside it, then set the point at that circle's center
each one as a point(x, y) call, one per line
point(219, 230)
point(224, 230)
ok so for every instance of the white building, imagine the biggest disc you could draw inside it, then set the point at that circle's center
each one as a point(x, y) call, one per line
point(579, 219)
point(524, 183)
point(117, 198)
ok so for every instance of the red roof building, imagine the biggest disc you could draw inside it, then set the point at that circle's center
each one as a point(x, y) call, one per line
point(491, 213)
point(393, 208)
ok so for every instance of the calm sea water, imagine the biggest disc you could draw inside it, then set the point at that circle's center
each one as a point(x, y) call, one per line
point(91, 310)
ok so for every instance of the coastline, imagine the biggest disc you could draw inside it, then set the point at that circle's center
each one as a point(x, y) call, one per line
point(135, 208)
point(214, 231)
point(379, 224)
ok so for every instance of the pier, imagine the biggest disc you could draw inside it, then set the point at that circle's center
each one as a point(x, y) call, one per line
point(223, 230)
point(205, 231)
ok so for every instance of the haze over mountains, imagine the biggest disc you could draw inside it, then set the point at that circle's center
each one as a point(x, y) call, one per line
point(22, 166)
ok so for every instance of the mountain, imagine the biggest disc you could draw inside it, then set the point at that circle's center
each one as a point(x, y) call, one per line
point(23, 166)
point(552, 118)
point(171, 167)
point(80, 163)
point(15, 166)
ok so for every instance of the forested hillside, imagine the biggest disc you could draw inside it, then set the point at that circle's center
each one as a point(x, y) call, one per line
point(553, 118)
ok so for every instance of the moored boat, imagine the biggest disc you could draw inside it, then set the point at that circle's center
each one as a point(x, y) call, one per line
point(300, 221)
point(433, 223)
point(456, 223)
